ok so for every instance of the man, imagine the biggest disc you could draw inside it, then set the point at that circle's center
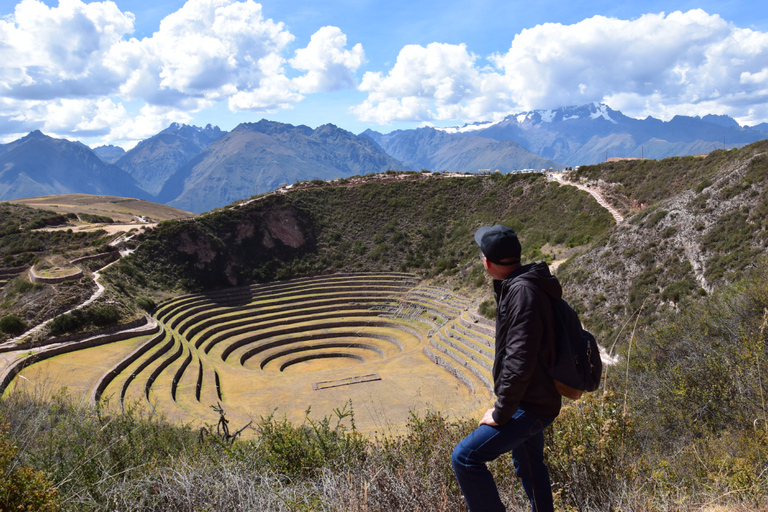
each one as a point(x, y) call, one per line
point(526, 398)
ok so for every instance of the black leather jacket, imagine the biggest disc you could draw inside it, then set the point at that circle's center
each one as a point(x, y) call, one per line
point(525, 343)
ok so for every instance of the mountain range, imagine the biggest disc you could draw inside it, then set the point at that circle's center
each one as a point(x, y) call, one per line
point(590, 134)
point(199, 169)
point(259, 157)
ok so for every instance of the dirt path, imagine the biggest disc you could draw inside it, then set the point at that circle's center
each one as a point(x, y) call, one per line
point(96, 294)
point(559, 177)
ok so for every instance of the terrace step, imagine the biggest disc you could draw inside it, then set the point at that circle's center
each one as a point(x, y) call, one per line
point(390, 334)
point(470, 321)
point(288, 288)
point(458, 361)
point(131, 387)
point(232, 325)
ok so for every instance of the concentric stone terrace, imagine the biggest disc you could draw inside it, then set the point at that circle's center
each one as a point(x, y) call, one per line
point(314, 342)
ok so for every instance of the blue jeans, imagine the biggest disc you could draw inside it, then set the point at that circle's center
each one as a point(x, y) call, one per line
point(523, 435)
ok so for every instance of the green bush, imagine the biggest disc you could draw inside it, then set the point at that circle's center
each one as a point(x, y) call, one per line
point(103, 315)
point(12, 324)
point(306, 449)
point(146, 303)
point(487, 308)
point(95, 219)
point(589, 451)
point(68, 322)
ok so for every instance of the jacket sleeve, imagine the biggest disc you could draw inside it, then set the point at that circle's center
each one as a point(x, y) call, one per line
point(521, 334)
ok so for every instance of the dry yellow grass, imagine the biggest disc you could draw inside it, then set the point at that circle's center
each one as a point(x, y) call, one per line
point(120, 209)
point(77, 371)
point(282, 379)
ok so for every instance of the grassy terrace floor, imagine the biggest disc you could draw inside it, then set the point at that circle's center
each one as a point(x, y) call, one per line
point(286, 347)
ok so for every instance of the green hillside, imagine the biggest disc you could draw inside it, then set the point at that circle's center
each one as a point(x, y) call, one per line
point(409, 223)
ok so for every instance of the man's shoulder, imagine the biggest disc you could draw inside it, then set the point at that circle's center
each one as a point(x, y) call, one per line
point(537, 279)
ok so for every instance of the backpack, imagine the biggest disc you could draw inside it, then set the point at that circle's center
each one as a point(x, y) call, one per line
point(578, 366)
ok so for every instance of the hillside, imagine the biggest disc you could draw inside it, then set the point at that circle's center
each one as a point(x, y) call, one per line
point(119, 209)
point(420, 222)
point(692, 226)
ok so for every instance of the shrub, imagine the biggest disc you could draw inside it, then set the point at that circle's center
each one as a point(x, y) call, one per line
point(488, 309)
point(103, 315)
point(146, 303)
point(12, 324)
point(68, 322)
point(305, 450)
point(589, 451)
point(21, 487)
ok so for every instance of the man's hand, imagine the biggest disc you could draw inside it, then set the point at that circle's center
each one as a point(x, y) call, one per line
point(488, 419)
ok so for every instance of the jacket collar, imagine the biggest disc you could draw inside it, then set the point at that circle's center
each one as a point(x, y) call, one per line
point(498, 284)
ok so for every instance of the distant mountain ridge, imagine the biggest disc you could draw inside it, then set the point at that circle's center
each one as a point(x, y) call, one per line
point(198, 169)
point(109, 154)
point(38, 165)
point(429, 148)
point(258, 157)
point(153, 161)
point(587, 134)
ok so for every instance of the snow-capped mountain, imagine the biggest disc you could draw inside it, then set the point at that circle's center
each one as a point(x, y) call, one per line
point(588, 134)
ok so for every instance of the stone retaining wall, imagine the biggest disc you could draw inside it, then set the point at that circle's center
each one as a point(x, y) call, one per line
point(305, 328)
point(469, 352)
point(297, 340)
point(13, 370)
point(320, 347)
point(161, 367)
point(103, 255)
point(108, 376)
point(53, 280)
point(179, 374)
point(445, 365)
point(151, 359)
point(10, 272)
point(218, 333)
point(204, 312)
point(464, 362)
point(471, 333)
point(134, 324)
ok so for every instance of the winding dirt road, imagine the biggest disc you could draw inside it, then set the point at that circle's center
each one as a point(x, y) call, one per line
point(560, 178)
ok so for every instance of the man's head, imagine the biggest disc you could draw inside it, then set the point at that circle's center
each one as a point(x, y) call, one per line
point(500, 248)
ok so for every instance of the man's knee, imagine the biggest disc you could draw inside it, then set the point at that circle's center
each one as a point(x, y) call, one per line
point(458, 456)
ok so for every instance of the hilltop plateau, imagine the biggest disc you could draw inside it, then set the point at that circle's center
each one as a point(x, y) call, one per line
point(119, 209)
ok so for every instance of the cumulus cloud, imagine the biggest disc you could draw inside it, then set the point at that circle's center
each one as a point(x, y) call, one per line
point(653, 65)
point(50, 53)
point(68, 69)
point(439, 81)
point(206, 51)
point(329, 66)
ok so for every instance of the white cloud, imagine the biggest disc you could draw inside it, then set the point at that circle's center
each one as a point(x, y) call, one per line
point(68, 69)
point(59, 52)
point(439, 81)
point(207, 51)
point(328, 65)
point(653, 65)
point(151, 120)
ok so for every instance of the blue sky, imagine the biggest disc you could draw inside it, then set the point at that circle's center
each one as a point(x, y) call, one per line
point(118, 72)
